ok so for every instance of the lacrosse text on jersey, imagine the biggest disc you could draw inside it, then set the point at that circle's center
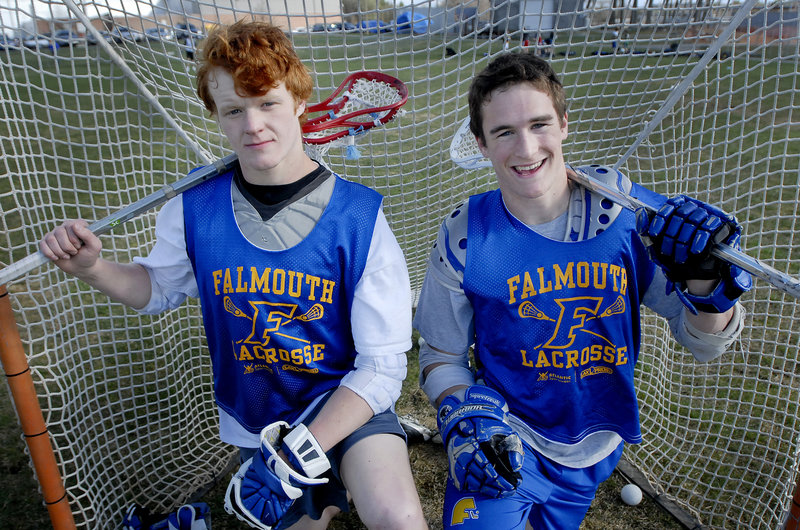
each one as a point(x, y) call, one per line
point(277, 322)
point(554, 313)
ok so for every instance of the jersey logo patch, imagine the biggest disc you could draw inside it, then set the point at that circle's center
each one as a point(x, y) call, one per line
point(274, 316)
point(463, 510)
point(270, 319)
point(574, 314)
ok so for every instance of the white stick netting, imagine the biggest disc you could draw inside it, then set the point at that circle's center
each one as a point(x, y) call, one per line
point(128, 397)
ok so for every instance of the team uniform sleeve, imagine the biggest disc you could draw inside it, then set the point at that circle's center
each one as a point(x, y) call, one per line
point(381, 322)
point(704, 347)
point(171, 274)
point(444, 315)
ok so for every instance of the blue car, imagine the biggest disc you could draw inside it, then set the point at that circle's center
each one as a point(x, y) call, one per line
point(375, 26)
point(9, 43)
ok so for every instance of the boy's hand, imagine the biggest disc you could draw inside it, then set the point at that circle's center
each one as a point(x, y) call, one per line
point(72, 246)
point(484, 453)
point(680, 237)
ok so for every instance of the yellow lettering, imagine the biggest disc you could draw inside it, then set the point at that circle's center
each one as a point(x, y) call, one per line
point(564, 278)
point(512, 287)
point(294, 289)
point(597, 352)
point(244, 354)
point(572, 358)
point(557, 355)
point(307, 354)
point(327, 291)
point(227, 285)
point(614, 269)
point(585, 356)
point(258, 352)
point(217, 275)
point(544, 287)
point(622, 358)
point(313, 282)
point(259, 283)
point(270, 356)
point(623, 282)
point(278, 281)
point(608, 354)
point(239, 287)
point(583, 274)
point(319, 353)
point(526, 362)
point(284, 355)
point(600, 278)
point(297, 356)
point(528, 289)
point(542, 361)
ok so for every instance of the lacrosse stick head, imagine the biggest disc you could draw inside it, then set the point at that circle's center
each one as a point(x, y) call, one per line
point(364, 100)
point(464, 149)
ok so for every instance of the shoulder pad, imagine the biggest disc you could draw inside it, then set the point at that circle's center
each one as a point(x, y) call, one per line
point(450, 252)
point(599, 212)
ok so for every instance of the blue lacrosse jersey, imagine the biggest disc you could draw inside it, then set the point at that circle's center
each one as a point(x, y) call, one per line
point(557, 323)
point(277, 322)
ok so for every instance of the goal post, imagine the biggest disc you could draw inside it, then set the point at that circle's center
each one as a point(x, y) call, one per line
point(127, 398)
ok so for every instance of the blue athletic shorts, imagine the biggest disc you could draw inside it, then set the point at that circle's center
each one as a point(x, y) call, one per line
point(316, 499)
point(550, 496)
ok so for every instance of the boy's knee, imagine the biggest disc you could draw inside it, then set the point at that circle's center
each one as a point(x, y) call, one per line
point(394, 515)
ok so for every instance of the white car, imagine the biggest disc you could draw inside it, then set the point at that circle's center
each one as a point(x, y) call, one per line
point(36, 43)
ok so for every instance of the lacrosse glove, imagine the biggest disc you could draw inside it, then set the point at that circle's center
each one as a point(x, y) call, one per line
point(680, 237)
point(484, 453)
point(265, 487)
point(195, 516)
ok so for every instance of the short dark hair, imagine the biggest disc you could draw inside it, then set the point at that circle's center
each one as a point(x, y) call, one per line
point(511, 69)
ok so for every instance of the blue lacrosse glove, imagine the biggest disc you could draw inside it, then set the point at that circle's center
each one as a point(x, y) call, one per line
point(265, 487)
point(680, 237)
point(484, 453)
point(196, 516)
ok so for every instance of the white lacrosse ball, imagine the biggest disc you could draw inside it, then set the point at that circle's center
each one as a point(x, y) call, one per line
point(631, 494)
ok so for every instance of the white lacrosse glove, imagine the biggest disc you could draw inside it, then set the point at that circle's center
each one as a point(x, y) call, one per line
point(484, 452)
point(265, 487)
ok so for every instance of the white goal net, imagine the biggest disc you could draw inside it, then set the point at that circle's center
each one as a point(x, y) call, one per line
point(127, 398)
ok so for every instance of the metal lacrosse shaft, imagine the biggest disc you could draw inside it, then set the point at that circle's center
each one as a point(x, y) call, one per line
point(34, 261)
point(774, 277)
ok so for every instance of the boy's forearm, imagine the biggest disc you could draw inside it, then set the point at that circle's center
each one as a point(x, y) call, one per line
point(343, 413)
point(127, 283)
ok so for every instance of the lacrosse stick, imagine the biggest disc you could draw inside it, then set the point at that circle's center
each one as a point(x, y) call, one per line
point(362, 101)
point(465, 153)
point(372, 94)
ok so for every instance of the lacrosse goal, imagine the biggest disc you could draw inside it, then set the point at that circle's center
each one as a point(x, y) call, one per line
point(127, 398)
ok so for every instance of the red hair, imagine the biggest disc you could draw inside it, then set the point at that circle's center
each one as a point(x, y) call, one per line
point(258, 56)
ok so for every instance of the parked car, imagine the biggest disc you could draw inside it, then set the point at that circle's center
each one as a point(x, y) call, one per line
point(344, 26)
point(65, 37)
point(92, 40)
point(324, 27)
point(162, 34)
point(375, 26)
point(37, 42)
point(184, 31)
point(121, 34)
point(9, 43)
